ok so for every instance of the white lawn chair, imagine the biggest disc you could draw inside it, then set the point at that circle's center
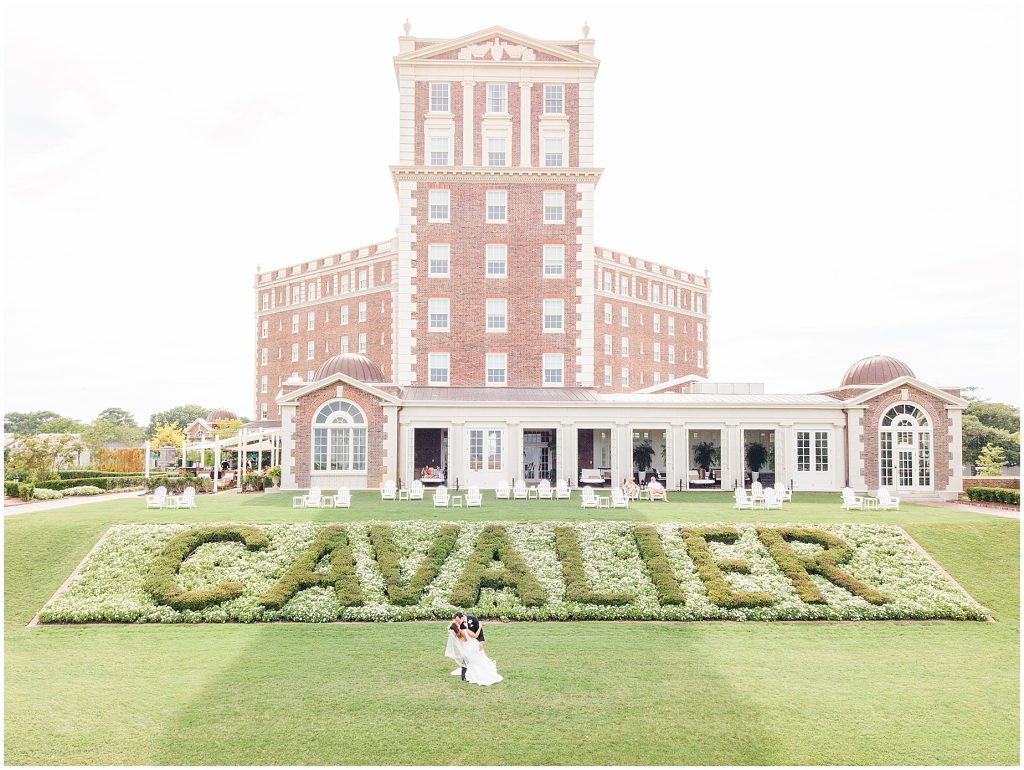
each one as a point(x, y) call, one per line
point(562, 491)
point(344, 498)
point(657, 492)
point(416, 490)
point(441, 497)
point(544, 490)
point(473, 497)
point(158, 499)
point(743, 502)
point(619, 499)
point(784, 495)
point(310, 500)
point(502, 490)
point(186, 499)
point(388, 490)
point(519, 490)
point(887, 502)
point(851, 501)
point(589, 498)
point(756, 491)
point(771, 501)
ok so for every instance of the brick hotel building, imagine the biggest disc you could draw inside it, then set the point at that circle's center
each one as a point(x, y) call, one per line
point(493, 338)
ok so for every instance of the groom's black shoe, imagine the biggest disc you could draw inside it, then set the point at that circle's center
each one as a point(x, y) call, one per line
point(463, 673)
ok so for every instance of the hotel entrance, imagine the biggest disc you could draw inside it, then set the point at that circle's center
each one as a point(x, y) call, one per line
point(539, 456)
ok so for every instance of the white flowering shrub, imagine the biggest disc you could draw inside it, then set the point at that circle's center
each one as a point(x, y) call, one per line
point(882, 563)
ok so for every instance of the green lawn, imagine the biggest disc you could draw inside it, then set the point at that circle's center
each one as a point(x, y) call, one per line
point(580, 693)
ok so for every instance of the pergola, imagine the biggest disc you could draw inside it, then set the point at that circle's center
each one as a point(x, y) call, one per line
point(261, 439)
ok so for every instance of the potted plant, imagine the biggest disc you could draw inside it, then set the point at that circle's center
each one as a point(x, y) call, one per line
point(643, 453)
point(756, 456)
point(703, 456)
point(274, 474)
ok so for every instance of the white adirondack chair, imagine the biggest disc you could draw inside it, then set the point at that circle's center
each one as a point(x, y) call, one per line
point(785, 495)
point(503, 491)
point(589, 498)
point(416, 490)
point(771, 501)
point(756, 491)
point(473, 497)
point(519, 490)
point(388, 490)
point(619, 499)
point(562, 491)
point(887, 502)
point(158, 499)
point(344, 498)
point(441, 497)
point(186, 499)
point(851, 502)
point(544, 490)
point(310, 500)
point(743, 502)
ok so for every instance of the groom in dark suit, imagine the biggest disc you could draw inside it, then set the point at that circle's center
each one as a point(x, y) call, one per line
point(471, 625)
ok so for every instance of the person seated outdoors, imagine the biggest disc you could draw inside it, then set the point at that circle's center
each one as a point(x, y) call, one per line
point(631, 489)
point(657, 491)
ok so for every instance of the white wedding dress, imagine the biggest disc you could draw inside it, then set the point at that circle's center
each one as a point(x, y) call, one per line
point(479, 668)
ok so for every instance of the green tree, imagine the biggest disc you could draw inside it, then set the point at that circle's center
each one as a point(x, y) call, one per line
point(167, 435)
point(989, 422)
point(35, 458)
point(176, 415)
point(26, 423)
point(61, 425)
point(100, 433)
point(117, 416)
point(991, 460)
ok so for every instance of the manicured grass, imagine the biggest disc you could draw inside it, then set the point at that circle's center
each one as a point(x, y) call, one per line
point(581, 693)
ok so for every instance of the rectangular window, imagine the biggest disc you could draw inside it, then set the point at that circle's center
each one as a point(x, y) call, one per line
point(607, 313)
point(624, 316)
point(554, 257)
point(624, 285)
point(657, 378)
point(607, 344)
point(494, 450)
point(624, 346)
point(312, 291)
point(924, 459)
point(438, 310)
point(554, 312)
point(656, 322)
point(344, 344)
point(608, 375)
point(310, 350)
point(607, 280)
point(885, 456)
point(476, 450)
point(554, 98)
point(296, 295)
point(344, 314)
point(295, 324)
point(625, 377)
point(554, 207)
point(439, 97)
point(497, 205)
point(438, 259)
point(671, 326)
point(263, 356)
point(553, 363)
point(497, 315)
point(821, 450)
point(657, 352)
point(362, 311)
point(264, 330)
point(437, 363)
point(700, 303)
point(497, 260)
point(803, 451)
point(266, 301)
point(440, 202)
point(497, 97)
point(263, 411)
point(700, 359)
point(362, 343)
point(310, 321)
point(263, 384)
point(700, 332)
point(656, 293)
point(439, 151)
point(553, 151)
point(362, 280)
point(344, 284)
point(496, 151)
point(670, 297)
point(671, 354)
point(295, 351)
point(497, 368)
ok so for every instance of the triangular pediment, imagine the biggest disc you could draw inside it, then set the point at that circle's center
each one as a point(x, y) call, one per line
point(495, 45)
point(901, 382)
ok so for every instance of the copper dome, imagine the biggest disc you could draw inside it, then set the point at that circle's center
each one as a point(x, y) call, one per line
point(875, 370)
point(216, 415)
point(351, 365)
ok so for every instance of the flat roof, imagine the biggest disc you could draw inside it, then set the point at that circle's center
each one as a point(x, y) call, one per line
point(590, 395)
point(426, 393)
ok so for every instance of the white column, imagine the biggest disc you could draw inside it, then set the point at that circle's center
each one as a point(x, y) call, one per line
point(525, 123)
point(216, 462)
point(956, 453)
point(184, 449)
point(240, 461)
point(854, 445)
point(467, 122)
point(147, 458)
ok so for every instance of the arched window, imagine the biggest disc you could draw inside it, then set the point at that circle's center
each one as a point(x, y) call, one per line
point(905, 447)
point(339, 437)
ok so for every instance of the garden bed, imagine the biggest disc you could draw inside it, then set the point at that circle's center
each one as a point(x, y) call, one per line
point(380, 571)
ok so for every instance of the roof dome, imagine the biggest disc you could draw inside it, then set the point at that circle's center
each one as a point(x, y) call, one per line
point(875, 370)
point(216, 415)
point(351, 365)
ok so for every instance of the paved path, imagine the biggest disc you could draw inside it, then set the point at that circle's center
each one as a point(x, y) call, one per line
point(65, 502)
point(1006, 514)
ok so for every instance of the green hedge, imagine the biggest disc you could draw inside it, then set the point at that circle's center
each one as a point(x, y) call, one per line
point(1002, 495)
point(662, 575)
point(41, 493)
point(494, 563)
point(11, 488)
point(302, 575)
point(711, 571)
point(109, 483)
point(88, 473)
point(387, 558)
point(577, 587)
point(175, 485)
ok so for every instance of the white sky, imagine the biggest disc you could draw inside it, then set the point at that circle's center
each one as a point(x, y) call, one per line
point(848, 172)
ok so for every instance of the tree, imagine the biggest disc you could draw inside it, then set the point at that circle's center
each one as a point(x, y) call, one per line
point(35, 458)
point(167, 435)
point(227, 428)
point(100, 433)
point(756, 456)
point(116, 416)
point(61, 425)
point(990, 422)
point(991, 460)
point(643, 453)
point(26, 423)
point(176, 415)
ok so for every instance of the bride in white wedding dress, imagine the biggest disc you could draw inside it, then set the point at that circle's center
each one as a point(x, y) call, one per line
point(466, 651)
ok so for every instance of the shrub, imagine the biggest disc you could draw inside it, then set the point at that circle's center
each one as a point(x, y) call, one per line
point(108, 483)
point(41, 493)
point(255, 482)
point(711, 571)
point(10, 488)
point(342, 573)
point(176, 484)
point(1002, 495)
point(26, 490)
point(82, 491)
point(160, 581)
point(90, 473)
point(481, 571)
point(386, 556)
point(124, 460)
point(577, 588)
point(658, 565)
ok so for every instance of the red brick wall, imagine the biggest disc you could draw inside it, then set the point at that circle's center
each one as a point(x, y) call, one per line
point(375, 435)
point(571, 106)
point(940, 425)
point(422, 107)
point(1004, 482)
point(468, 288)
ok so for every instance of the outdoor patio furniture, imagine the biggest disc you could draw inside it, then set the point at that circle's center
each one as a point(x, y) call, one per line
point(441, 497)
point(851, 502)
point(186, 499)
point(388, 490)
point(344, 498)
point(562, 491)
point(785, 495)
point(416, 490)
point(591, 476)
point(519, 490)
point(544, 490)
point(743, 501)
point(887, 502)
point(309, 500)
point(619, 499)
point(158, 499)
point(589, 498)
point(502, 490)
point(473, 497)
point(403, 494)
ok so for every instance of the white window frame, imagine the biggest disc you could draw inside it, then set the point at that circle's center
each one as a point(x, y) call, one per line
point(439, 205)
point(624, 347)
point(491, 250)
point(608, 316)
point(491, 202)
point(553, 311)
point(497, 154)
point(495, 362)
point(554, 260)
point(493, 304)
point(547, 370)
point(554, 154)
point(361, 343)
point(554, 203)
point(311, 321)
point(608, 375)
point(439, 314)
point(440, 95)
point(295, 351)
point(624, 317)
point(436, 254)
point(295, 323)
point(608, 345)
point(497, 96)
point(434, 365)
point(554, 96)
point(339, 440)
point(362, 311)
point(310, 350)
point(343, 346)
point(435, 155)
